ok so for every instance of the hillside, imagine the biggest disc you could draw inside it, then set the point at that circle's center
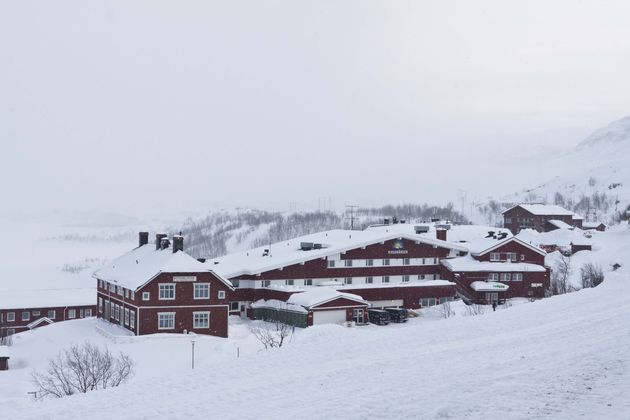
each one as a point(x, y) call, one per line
point(592, 179)
point(564, 357)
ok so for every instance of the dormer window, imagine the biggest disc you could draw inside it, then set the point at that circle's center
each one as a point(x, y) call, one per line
point(495, 256)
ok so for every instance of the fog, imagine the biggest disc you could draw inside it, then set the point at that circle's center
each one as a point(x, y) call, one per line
point(154, 106)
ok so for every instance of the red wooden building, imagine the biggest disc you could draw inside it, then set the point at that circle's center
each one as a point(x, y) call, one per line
point(158, 288)
point(540, 217)
point(23, 310)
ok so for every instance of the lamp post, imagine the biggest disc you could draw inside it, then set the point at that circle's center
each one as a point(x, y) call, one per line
point(193, 353)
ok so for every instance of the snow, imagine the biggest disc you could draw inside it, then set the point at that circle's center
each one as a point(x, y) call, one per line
point(141, 264)
point(319, 295)
point(278, 304)
point(560, 224)
point(4, 351)
point(467, 263)
point(43, 298)
point(559, 237)
point(282, 254)
point(489, 286)
point(545, 210)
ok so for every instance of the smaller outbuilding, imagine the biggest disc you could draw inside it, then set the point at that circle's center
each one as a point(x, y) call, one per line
point(4, 358)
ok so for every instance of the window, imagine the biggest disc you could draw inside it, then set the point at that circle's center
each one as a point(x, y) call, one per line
point(435, 261)
point(201, 319)
point(511, 256)
point(369, 263)
point(88, 313)
point(100, 305)
point(72, 313)
point(331, 263)
point(347, 263)
point(347, 280)
point(52, 314)
point(166, 320)
point(266, 283)
point(507, 220)
point(420, 276)
point(493, 277)
point(221, 294)
point(26, 316)
point(442, 300)
point(369, 280)
point(202, 291)
point(146, 296)
point(517, 277)
point(522, 257)
point(426, 302)
point(167, 292)
point(132, 319)
point(406, 261)
point(405, 279)
point(289, 282)
point(505, 277)
point(10, 316)
point(308, 282)
point(386, 261)
point(10, 331)
point(81, 314)
point(424, 261)
point(495, 256)
point(117, 313)
point(233, 306)
point(36, 314)
point(133, 295)
point(112, 309)
point(235, 282)
point(385, 279)
point(111, 287)
point(126, 316)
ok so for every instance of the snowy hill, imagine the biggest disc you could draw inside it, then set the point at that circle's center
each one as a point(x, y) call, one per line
point(593, 179)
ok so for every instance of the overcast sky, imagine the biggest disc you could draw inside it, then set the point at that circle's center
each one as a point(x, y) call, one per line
point(134, 105)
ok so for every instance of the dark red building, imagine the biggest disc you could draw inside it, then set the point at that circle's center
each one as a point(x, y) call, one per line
point(158, 288)
point(540, 217)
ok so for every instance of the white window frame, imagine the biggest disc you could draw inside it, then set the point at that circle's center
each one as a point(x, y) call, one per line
point(221, 294)
point(505, 277)
point(52, 314)
point(347, 280)
point(10, 316)
point(331, 263)
point(289, 282)
point(517, 276)
point(166, 287)
point(386, 262)
point(207, 318)
point(201, 286)
point(132, 319)
point(146, 296)
point(347, 263)
point(405, 278)
point(308, 282)
point(171, 316)
point(369, 280)
point(25, 316)
point(406, 261)
point(493, 276)
point(266, 283)
point(72, 313)
point(100, 305)
point(495, 256)
point(385, 279)
point(369, 262)
point(88, 313)
point(126, 316)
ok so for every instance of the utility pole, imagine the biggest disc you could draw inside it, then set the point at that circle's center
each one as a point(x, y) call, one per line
point(193, 353)
point(352, 218)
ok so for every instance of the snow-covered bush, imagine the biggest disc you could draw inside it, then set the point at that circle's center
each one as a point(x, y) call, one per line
point(81, 369)
point(592, 275)
point(446, 311)
point(475, 309)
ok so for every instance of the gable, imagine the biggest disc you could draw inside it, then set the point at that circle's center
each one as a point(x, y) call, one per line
point(511, 245)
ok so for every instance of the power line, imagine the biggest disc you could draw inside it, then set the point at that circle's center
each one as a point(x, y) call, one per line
point(352, 218)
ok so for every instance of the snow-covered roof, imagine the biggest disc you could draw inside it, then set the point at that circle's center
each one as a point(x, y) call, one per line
point(544, 210)
point(559, 237)
point(512, 239)
point(488, 286)
point(39, 321)
point(46, 298)
point(278, 304)
point(140, 265)
point(285, 253)
point(4, 352)
point(592, 225)
point(560, 224)
point(320, 295)
point(469, 264)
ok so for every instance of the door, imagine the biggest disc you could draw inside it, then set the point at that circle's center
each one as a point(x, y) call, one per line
point(357, 315)
point(492, 297)
point(329, 317)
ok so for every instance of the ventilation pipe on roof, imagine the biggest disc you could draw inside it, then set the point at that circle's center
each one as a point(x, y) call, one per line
point(178, 243)
point(143, 238)
point(440, 234)
point(158, 240)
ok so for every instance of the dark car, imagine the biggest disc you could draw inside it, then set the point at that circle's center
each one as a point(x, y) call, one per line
point(398, 315)
point(378, 316)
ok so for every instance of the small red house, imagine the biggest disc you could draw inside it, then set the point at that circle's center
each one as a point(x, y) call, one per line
point(540, 217)
point(158, 288)
point(4, 358)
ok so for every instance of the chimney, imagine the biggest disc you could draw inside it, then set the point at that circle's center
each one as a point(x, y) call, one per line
point(143, 238)
point(440, 234)
point(158, 240)
point(178, 243)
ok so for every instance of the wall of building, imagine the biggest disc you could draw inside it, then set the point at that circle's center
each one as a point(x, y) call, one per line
point(530, 256)
point(518, 215)
point(61, 314)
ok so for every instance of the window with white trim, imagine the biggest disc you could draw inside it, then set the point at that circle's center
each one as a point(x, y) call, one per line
point(347, 280)
point(493, 276)
point(36, 314)
point(133, 295)
point(146, 296)
point(166, 320)
point(100, 305)
point(233, 306)
point(167, 291)
point(132, 319)
point(405, 278)
point(386, 261)
point(266, 283)
point(369, 263)
point(88, 313)
point(26, 316)
point(420, 276)
point(385, 279)
point(52, 314)
point(10, 316)
point(72, 313)
point(126, 316)
point(369, 280)
point(511, 256)
point(201, 320)
point(505, 277)
point(221, 294)
point(406, 261)
point(522, 257)
point(202, 291)
point(289, 282)
point(308, 282)
point(347, 263)
point(495, 256)
point(517, 276)
point(331, 263)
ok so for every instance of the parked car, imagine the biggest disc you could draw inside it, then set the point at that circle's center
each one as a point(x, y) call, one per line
point(398, 315)
point(378, 316)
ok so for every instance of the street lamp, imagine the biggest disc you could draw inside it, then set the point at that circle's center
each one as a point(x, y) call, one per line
point(193, 353)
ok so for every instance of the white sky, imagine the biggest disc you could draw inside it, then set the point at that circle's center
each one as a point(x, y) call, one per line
point(135, 105)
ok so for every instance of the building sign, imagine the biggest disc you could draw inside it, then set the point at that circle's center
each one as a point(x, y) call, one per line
point(398, 248)
point(184, 278)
